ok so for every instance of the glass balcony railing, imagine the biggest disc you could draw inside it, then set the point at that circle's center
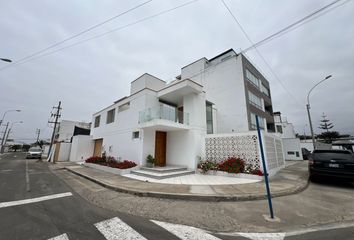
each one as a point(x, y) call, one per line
point(164, 112)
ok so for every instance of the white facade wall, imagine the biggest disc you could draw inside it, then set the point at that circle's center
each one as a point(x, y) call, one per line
point(191, 70)
point(117, 136)
point(146, 81)
point(223, 83)
point(183, 146)
point(81, 148)
point(288, 129)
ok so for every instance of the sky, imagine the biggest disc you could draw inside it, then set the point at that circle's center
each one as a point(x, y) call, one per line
point(93, 74)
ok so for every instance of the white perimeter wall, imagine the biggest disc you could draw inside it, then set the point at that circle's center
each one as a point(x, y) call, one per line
point(64, 151)
point(81, 148)
point(292, 145)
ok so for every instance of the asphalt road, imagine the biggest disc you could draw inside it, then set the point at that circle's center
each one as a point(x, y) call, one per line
point(53, 210)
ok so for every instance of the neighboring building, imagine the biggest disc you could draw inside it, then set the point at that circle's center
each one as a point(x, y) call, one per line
point(171, 120)
point(291, 144)
point(67, 129)
point(64, 137)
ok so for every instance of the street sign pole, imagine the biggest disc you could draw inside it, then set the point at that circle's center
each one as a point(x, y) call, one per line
point(266, 180)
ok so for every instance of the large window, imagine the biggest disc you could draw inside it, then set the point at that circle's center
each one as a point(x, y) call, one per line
point(265, 90)
point(252, 78)
point(209, 118)
point(279, 128)
point(261, 121)
point(254, 100)
point(97, 121)
point(110, 115)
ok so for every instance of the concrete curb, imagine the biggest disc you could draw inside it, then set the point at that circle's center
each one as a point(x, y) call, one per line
point(196, 197)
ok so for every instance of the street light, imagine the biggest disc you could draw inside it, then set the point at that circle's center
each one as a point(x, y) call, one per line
point(6, 60)
point(308, 109)
point(5, 137)
point(3, 116)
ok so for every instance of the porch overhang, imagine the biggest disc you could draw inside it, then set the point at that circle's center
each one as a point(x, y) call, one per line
point(163, 125)
point(175, 91)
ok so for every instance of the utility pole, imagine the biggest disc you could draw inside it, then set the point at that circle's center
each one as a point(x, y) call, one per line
point(3, 139)
point(56, 115)
point(38, 131)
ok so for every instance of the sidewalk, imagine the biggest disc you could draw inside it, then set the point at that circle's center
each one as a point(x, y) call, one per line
point(290, 180)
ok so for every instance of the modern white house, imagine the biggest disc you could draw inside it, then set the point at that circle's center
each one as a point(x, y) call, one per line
point(291, 144)
point(213, 101)
point(164, 120)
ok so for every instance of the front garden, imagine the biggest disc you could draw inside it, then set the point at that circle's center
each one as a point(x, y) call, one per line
point(111, 162)
point(232, 165)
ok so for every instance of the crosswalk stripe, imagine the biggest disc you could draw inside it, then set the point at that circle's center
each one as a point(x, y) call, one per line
point(60, 237)
point(34, 200)
point(186, 232)
point(114, 229)
point(263, 236)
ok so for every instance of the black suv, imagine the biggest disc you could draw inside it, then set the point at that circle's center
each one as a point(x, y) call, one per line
point(331, 163)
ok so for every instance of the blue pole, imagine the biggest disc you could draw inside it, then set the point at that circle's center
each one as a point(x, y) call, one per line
point(266, 180)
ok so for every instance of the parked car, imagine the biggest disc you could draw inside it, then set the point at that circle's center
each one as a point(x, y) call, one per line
point(331, 163)
point(34, 152)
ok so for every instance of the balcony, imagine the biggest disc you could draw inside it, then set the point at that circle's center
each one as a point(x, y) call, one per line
point(163, 117)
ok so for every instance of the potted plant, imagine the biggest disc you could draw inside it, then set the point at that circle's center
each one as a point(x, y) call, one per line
point(150, 161)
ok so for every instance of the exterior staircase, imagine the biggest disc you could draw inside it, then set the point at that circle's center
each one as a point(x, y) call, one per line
point(163, 172)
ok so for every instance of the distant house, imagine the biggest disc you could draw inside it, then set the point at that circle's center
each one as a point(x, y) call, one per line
point(65, 132)
point(67, 129)
point(291, 144)
point(213, 102)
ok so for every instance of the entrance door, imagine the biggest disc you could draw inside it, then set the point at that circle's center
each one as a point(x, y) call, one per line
point(97, 151)
point(160, 148)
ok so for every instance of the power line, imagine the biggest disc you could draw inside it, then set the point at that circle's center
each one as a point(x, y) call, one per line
point(308, 18)
point(110, 31)
point(286, 29)
point(264, 60)
point(75, 35)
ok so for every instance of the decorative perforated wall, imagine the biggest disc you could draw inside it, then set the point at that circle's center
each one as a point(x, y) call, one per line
point(219, 148)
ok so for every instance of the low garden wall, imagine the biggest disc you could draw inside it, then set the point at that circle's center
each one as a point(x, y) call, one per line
point(220, 147)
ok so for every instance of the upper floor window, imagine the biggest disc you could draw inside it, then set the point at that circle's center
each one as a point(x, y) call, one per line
point(254, 100)
point(97, 121)
point(265, 90)
point(261, 121)
point(279, 128)
point(209, 118)
point(124, 107)
point(252, 78)
point(110, 115)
